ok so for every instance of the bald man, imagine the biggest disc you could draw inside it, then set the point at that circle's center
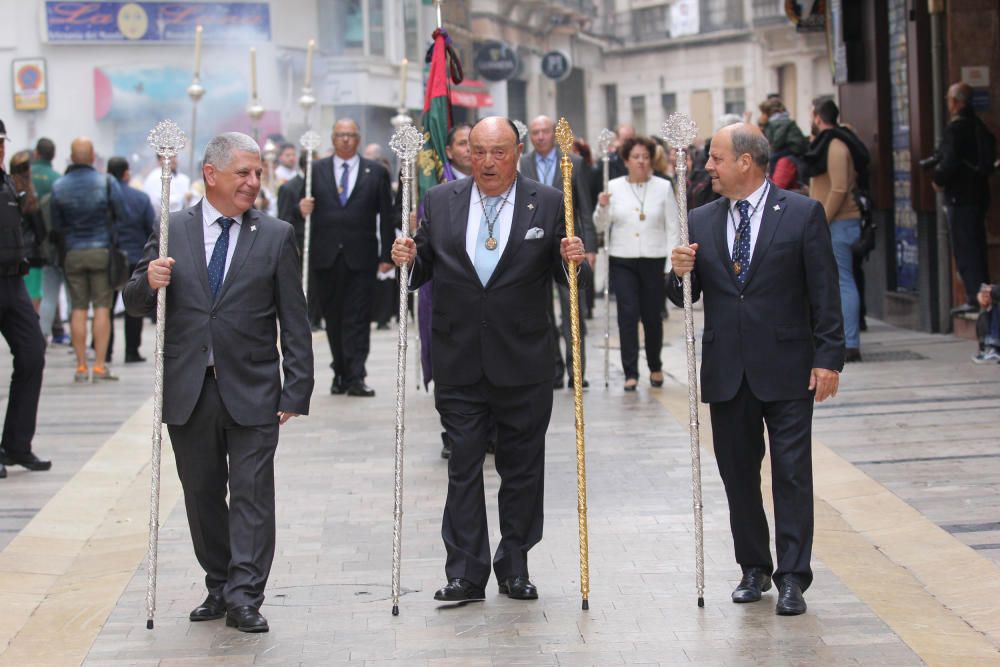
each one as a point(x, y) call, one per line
point(967, 153)
point(84, 206)
point(773, 344)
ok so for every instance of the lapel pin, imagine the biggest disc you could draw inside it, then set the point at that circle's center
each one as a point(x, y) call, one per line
point(777, 207)
point(253, 228)
point(531, 207)
point(367, 170)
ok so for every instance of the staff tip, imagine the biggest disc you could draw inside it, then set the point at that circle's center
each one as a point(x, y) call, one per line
point(701, 601)
point(395, 610)
point(586, 604)
point(149, 624)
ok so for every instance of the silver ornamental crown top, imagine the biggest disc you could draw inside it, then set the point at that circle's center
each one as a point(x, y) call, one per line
point(522, 130)
point(679, 130)
point(167, 139)
point(604, 141)
point(310, 140)
point(406, 142)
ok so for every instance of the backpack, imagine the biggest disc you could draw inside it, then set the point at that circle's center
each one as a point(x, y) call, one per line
point(986, 149)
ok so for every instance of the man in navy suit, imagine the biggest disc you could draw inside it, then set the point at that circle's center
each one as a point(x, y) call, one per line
point(491, 244)
point(773, 343)
point(353, 225)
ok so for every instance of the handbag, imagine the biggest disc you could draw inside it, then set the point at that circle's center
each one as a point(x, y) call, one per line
point(118, 273)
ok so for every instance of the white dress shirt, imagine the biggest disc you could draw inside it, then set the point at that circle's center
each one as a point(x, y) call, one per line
point(631, 237)
point(352, 170)
point(180, 185)
point(213, 230)
point(757, 200)
point(501, 229)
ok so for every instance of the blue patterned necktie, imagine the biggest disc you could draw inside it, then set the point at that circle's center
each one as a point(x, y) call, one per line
point(486, 260)
point(345, 181)
point(741, 244)
point(217, 265)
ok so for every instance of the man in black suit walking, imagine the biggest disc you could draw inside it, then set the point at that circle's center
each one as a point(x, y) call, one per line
point(232, 278)
point(353, 227)
point(491, 244)
point(773, 343)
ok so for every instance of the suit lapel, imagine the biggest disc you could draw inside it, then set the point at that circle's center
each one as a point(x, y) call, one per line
point(528, 167)
point(719, 222)
point(770, 217)
point(194, 228)
point(458, 205)
point(364, 172)
point(248, 233)
point(525, 205)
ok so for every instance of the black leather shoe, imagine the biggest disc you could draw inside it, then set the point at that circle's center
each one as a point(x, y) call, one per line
point(569, 383)
point(214, 607)
point(754, 582)
point(460, 590)
point(29, 461)
point(790, 600)
point(518, 588)
point(246, 619)
point(337, 387)
point(134, 358)
point(360, 389)
point(3, 471)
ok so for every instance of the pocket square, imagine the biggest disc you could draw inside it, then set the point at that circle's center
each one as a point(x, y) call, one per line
point(534, 233)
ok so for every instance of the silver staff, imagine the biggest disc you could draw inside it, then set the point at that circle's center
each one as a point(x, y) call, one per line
point(309, 141)
point(406, 142)
point(679, 131)
point(604, 141)
point(167, 140)
point(399, 120)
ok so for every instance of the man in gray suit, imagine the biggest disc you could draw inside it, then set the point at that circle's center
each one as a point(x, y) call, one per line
point(232, 278)
point(542, 165)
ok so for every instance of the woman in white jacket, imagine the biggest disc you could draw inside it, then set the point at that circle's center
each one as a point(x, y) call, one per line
point(639, 216)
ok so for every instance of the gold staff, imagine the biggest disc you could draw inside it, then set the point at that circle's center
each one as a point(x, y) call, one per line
point(679, 131)
point(167, 139)
point(564, 136)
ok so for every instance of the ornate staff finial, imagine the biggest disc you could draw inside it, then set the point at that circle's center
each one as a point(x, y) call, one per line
point(564, 136)
point(522, 130)
point(679, 131)
point(604, 141)
point(310, 141)
point(167, 139)
point(406, 142)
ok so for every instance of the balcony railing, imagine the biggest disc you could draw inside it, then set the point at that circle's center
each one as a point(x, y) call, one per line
point(768, 12)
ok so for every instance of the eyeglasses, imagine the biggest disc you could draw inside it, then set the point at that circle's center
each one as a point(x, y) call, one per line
point(345, 135)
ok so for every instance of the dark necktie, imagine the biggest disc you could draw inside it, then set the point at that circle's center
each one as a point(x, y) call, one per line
point(217, 265)
point(345, 181)
point(741, 244)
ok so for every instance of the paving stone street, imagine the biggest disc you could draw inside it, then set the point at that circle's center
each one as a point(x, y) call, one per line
point(907, 554)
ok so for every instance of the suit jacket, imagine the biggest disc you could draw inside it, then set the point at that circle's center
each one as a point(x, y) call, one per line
point(499, 331)
point(583, 210)
point(263, 288)
point(351, 229)
point(785, 320)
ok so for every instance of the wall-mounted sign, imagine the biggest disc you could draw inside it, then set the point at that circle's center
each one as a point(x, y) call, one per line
point(30, 84)
point(684, 18)
point(556, 65)
point(130, 22)
point(495, 61)
point(807, 15)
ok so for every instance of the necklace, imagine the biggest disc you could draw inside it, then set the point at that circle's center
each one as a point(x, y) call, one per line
point(736, 231)
point(642, 202)
point(491, 242)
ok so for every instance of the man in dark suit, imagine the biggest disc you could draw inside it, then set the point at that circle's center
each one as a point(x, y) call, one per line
point(773, 343)
point(353, 227)
point(491, 244)
point(232, 279)
point(542, 165)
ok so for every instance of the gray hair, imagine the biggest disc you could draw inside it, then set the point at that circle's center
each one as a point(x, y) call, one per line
point(746, 140)
point(220, 150)
point(727, 119)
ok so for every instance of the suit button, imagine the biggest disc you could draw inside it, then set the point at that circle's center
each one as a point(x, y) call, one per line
point(215, 317)
point(204, 348)
point(741, 297)
point(484, 324)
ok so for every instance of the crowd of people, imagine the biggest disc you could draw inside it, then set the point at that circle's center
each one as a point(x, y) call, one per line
point(780, 224)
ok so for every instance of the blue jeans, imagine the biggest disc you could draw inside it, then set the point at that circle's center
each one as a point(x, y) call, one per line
point(844, 233)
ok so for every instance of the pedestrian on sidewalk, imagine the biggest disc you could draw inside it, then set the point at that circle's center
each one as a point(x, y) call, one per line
point(134, 229)
point(19, 327)
point(232, 280)
point(988, 325)
point(773, 344)
point(491, 243)
point(43, 176)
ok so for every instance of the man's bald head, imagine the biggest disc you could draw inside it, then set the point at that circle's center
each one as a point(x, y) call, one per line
point(542, 131)
point(959, 96)
point(81, 151)
point(496, 148)
point(737, 160)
